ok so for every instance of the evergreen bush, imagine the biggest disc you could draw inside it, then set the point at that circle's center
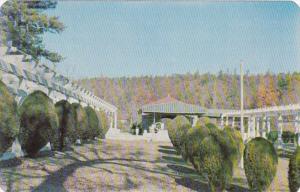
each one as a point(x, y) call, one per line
point(94, 129)
point(9, 119)
point(81, 122)
point(66, 123)
point(294, 171)
point(103, 123)
point(39, 123)
point(260, 163)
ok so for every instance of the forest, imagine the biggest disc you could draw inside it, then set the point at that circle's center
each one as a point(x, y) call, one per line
point(221, 90)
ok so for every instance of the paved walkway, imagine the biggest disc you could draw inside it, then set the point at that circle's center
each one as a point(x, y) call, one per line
point(108, 166)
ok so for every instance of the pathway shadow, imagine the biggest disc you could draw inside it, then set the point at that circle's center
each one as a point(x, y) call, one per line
point(10, 163)
point(181, 169)
point(236, 188)
point(192, 184)
point(171, 159)
point(169, 152)
point(166, 147)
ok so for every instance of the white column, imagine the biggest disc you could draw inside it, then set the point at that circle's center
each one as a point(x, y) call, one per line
point(233, 119)
point(257, 133)
point(253, 127)
point(280, 127)
point(222, 121)
point(268, 124)
point(116, 120)
point(249, 127)
point(264, 128)
point(226, 123)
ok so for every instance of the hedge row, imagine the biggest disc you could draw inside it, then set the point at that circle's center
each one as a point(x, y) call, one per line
point(214, 153)
point(38, 121)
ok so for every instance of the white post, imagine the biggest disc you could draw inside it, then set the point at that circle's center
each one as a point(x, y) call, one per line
point(233, 119)
point(264, 127)
point(226, 122)
point(242, 102)
point(268, 125)
point(280, 127)
point(249, 126)
point(222, 121)
point(257, 133)
point(116, 119)
point(253, 127)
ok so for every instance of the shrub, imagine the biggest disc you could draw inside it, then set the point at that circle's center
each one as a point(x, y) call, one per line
point(9, 119)
point(81, 123)
point(66, 123)
point(272, 136)
point(39, 123)
point(288, 136)
point(94, 129)
point(202, 121)
point(180, 126)
point(194, 137)
point(294, 171)
point(260, 163)
point(213, 153)
point(103, 123)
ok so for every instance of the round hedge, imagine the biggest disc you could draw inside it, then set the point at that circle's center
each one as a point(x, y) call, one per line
point(103, 123)
point(212, 152)
point(81, 122)
point(66, 123)
point(93, 123)
point(260, 163)
point(9, 119)
point(294, 171)
point(39, 123)
point(191, 147)
point(180, 125)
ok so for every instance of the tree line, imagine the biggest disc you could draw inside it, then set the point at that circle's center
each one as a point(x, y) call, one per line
point(220, 90)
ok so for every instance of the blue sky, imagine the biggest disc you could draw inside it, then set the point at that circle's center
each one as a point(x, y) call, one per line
point(157, 38)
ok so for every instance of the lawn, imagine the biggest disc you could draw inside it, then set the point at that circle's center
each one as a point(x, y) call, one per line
point(115, 166)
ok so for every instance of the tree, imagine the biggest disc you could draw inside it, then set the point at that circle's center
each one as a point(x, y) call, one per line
point(24, 26)
point(260, 163)
point(9, 119)
point(39, 123)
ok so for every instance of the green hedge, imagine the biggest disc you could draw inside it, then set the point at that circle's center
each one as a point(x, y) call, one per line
point(81, 122)
point(104, 123)
point(9, 119)
point(180, 125)
point(260, 163)
point(66, 123)
point(39, 123)
point(213, 153)
point(294, 171)
point(94, 129)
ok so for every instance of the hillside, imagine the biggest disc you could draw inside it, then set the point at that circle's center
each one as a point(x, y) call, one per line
point(208, 90)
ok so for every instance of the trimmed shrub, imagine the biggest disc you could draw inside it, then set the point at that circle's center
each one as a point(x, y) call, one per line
point(234, 145)
point(81, 122)
point(202, 121)
point(294, 171)
point(191, 145)
point(66, 123)
point(94, 129)
point(260, 163)
point(9, 119)
point(213, 153)
point(103, 123)
point(272, 136)
point(288, 136)
point(39, 123)
point(180, 125)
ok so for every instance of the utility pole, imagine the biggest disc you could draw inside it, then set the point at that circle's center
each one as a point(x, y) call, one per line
point(242, 102)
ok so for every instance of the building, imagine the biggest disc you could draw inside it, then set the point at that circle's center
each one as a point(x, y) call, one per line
point(170, 107)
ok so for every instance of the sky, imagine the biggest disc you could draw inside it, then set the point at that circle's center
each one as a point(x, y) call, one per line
point(132, 38)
